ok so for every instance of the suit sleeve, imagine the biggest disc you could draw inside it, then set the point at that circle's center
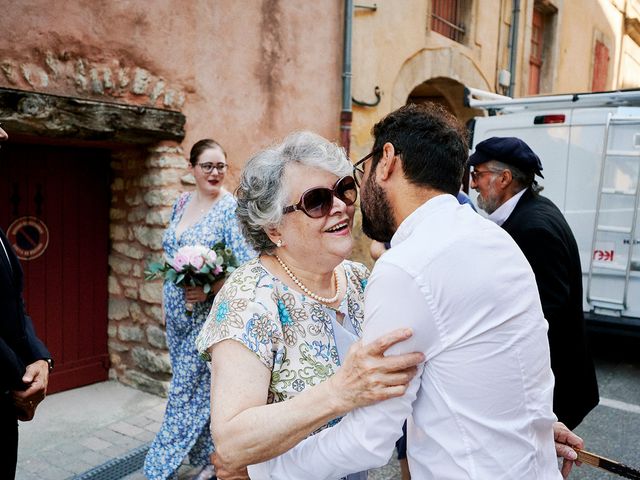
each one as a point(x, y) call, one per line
point(11, 367)
point(37, 348)
point(549, 261)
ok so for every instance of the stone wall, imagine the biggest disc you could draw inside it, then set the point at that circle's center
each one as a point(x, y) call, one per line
point(69, 73)
point(144, 187)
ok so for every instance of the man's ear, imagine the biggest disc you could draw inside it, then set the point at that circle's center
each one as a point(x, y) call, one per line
point(506, 178)
point(388, 163)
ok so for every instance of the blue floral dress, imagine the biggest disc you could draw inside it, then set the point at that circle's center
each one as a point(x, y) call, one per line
point(185, 429)
point(293, 335)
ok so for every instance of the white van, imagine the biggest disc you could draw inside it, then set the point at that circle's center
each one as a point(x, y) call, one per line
point(589, 145)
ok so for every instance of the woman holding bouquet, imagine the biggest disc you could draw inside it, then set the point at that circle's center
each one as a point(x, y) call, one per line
point(203, 217)
point(283, 323)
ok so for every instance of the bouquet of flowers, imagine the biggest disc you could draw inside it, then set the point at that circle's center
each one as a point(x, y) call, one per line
point(195, 266)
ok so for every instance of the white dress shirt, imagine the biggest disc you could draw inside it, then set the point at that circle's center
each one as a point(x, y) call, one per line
point(481, 405)
point(500, 214)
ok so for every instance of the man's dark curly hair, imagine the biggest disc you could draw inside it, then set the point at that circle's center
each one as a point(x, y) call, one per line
point(432, 144)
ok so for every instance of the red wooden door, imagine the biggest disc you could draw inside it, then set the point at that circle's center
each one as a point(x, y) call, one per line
point(57, 200)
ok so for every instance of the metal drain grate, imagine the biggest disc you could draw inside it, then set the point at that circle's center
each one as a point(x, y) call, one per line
point(118, 467)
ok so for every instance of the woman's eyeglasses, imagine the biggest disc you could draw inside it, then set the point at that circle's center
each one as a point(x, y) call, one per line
point(207, 168)
point(318, 201)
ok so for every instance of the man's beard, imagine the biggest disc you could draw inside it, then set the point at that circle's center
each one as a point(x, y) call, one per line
point(491, 203)
point(377, 213)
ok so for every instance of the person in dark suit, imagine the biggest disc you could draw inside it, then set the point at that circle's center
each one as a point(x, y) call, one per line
point(503, 176)
point(25, 362)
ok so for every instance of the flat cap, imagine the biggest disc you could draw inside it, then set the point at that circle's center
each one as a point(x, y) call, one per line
point(509, 150)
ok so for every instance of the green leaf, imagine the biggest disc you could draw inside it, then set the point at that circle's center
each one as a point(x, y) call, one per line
point(207, 288)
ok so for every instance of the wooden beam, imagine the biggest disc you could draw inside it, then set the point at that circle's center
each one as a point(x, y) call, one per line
point(53, 116)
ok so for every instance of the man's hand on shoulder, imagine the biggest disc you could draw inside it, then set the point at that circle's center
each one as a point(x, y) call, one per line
point(36, 377)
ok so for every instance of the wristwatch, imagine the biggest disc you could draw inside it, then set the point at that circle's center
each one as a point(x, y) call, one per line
point(50, 362)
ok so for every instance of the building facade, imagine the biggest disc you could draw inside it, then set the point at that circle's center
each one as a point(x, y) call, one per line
point(102, 102)
point(430, 50)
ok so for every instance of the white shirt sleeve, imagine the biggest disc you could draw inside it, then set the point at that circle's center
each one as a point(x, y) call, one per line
point(365, 438)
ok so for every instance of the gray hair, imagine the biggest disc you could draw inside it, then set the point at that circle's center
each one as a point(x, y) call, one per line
point(261, 196)
point(522, 178)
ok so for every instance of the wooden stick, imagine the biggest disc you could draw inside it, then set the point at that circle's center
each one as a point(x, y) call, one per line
point(607, 464)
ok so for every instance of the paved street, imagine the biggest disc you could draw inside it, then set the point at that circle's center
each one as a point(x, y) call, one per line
point(82, 428)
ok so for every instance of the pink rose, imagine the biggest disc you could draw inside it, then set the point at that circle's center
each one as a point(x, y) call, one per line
point(211, 257)
point(217, 270)
point(197, 261)
point(179, 262)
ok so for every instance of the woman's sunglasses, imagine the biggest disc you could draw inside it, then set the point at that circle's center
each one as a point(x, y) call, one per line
point(317, 202)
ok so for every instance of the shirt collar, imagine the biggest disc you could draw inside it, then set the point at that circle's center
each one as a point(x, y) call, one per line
point(506, 209)
point(416, 217)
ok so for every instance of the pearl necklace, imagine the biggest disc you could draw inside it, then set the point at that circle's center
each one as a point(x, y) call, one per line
point(297, 281)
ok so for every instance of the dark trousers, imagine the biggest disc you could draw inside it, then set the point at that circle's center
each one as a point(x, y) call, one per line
point(9, 434)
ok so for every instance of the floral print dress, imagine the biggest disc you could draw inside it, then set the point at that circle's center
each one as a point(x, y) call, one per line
point(293, 335)
point(185, 428)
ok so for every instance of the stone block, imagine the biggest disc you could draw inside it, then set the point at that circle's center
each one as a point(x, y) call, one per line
point(159, 217)
point(131, 293)
point(156, 336)
point(106, 76)
point(117, 214)
point(154, 312)
point(96, 81)
point(112, 330)
point(116, 360)
point(137, 270)
point(118, 309)
point(149, 236)
point(114, 286)
point(123, 77)
point(34, 76)
point(151, 361)
point(167, 161)
point(136, 313)
point(117, 232)
point(120, 265)
point(117, 185)
point(156, 91)
point(187, 179)
point(133, 199)
point(115, 346)
point(129, 251)
point(135, 216)
point(146, 383)
point(161, 198)
point(9, 70)
point(151, 292)
point(130, 333)
point(141, 79)
point(159, 178)
point(166, 149)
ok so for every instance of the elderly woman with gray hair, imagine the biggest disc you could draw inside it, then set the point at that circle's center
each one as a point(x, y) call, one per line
point(280, 332)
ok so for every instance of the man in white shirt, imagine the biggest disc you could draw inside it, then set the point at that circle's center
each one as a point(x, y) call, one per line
point(480, 408)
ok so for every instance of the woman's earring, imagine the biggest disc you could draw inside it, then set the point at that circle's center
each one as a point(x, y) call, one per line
point(279, 243)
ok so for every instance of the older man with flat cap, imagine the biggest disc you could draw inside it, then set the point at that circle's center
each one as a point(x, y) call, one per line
point(504, 171)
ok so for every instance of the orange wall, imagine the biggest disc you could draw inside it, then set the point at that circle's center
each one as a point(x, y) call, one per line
point(244, 73)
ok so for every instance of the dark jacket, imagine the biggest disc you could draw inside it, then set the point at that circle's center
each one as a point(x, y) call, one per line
point(545, 238)
point(19, 345)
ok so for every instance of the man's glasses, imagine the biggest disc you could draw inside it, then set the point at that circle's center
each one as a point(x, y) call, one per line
point(358, 170)
point(210, 167)
point(318, 201)
point(476, 174)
